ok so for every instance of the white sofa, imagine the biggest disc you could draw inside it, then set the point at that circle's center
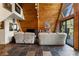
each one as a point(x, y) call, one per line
point(19, 37)
point(27, 37)
point(52, 38)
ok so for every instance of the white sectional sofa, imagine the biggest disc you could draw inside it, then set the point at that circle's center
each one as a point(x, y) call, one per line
point(52, 38)
point(27, 37)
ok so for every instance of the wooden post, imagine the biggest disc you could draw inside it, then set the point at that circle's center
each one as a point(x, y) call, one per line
point(76, 26)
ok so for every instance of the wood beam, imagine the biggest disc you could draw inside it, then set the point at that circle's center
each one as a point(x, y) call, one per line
point(58, 17)
point(76, 26)
point(67, 18)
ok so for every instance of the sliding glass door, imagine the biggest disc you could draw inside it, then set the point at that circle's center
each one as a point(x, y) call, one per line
point(68, 27)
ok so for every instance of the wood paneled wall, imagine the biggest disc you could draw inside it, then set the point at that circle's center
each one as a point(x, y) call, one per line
point(30, 14)
point(76, 26)
point(48, 12)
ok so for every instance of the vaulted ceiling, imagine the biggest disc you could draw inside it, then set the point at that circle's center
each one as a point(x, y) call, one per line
point(48, 12)
point(37, 14)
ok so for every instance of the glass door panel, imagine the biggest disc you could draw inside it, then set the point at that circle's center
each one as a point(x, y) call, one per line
point(70, 30)
point(68, 27)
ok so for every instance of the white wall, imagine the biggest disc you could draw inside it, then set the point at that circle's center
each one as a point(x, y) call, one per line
point(6, 16)
point(8, 34)
point(5, 34)
point(4, 13)
point(2, 36)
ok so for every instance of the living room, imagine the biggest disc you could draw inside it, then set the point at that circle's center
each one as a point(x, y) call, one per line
point(39, 29)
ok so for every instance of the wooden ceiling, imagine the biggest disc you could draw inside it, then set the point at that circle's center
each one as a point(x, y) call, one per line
point(48, 12)
point(44, 12)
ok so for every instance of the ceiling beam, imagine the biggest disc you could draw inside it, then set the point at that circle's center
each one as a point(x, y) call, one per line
point(58, 16)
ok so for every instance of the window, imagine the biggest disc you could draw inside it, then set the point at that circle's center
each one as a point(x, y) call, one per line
point(68, 10)
point(63, 27)
point(17, 9)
